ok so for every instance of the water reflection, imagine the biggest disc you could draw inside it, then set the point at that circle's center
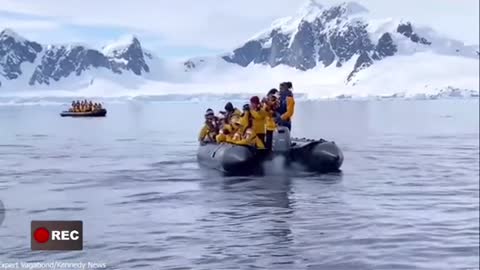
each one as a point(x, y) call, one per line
point(266, 191)
point(269, 216)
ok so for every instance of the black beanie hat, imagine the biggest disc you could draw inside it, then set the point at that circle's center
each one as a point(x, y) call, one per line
point(272, 92)
point(229, 107)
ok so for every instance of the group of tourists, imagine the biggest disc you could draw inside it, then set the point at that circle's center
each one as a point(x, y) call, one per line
point(255, 123)
point(85, 106)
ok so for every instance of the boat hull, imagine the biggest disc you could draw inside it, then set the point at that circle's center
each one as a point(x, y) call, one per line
point(231, 159)
point(99, 113)
point(318, 156)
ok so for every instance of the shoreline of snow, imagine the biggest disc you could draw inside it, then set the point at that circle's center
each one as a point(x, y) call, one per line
point(62, 98)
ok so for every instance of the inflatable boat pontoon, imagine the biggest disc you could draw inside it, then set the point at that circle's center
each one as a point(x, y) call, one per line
point(315, 155)
point(99, 113)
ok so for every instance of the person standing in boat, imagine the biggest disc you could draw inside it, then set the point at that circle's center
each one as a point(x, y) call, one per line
point(258, 116)
point(270, 105)
point(286, 106)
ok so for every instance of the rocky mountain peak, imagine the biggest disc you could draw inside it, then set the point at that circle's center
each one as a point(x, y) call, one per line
point(9, 33)
point(15, 50)
point(128, 53)
point(54, 62)
point(315, 36)
point(353, 8)
point(406, 29)
point(322, 36)
point(121, 46)
point(310, 8)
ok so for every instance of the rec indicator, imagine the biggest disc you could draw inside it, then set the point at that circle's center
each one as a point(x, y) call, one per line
point(56, 235)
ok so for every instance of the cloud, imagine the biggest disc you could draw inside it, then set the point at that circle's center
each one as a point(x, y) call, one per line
point(28, 25)
point(206, 23)
point(218, 24)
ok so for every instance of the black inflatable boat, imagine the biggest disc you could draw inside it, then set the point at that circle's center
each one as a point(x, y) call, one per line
point(231, 159)
point(98, 113)
point(314, 155)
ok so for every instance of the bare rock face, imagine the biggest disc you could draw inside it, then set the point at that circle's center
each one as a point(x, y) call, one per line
point(54, 62)
point(407, 30)
point(323, 37)
point(13, 52)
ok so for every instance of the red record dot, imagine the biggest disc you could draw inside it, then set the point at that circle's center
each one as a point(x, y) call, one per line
point(41, 235)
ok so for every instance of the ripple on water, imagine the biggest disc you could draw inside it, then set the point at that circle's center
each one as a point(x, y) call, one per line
point(406, 199)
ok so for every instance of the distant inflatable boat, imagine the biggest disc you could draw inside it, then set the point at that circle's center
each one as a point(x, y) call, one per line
point(98, 113)
point(314, 155)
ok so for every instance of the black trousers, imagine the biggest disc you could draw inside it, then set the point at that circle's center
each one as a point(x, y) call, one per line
point(269, 140)
point(261, 137)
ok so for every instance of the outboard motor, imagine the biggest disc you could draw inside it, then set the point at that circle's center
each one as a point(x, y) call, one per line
point(281, 141)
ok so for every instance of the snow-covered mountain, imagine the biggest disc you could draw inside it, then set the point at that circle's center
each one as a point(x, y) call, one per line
point(320, 36)
point(326, 51)
point(27, 63)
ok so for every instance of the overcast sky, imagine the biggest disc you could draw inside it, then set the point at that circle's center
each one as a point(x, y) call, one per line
point(183, 28)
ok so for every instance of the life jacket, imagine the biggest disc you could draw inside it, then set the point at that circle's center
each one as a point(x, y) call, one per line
point(226, 129)
point(259, 119)
point(270, 119)
point(283, 101)
point(237, 136)
point(236, 112)
point(250, 138)
point(212, 130)
point(221, 138)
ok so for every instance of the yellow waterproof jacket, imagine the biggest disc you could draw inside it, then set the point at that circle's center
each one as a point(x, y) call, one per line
point(259, 119)
point(270, 124)
point(228, 127)
point(287, 115)
point(221, 138)
point(226, 133)
point(244, 118)
point(205, 132)
point(250, 138)
point(235, 113)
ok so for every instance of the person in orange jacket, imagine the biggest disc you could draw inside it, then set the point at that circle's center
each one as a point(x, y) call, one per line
point(286, 107)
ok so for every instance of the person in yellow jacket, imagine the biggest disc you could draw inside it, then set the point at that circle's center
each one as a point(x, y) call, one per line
point(208, 131)
point(226, 132)
point(245, 117)
point(270, 105)
point(258, 116)
point(231, 111)
point(247, 136)
point(286, 106)
point(223, 136)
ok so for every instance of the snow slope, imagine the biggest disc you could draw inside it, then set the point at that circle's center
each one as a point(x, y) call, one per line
point(422, 62)
point(424, 77)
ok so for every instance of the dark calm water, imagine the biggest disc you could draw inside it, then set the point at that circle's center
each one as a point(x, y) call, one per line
point(408, 197)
